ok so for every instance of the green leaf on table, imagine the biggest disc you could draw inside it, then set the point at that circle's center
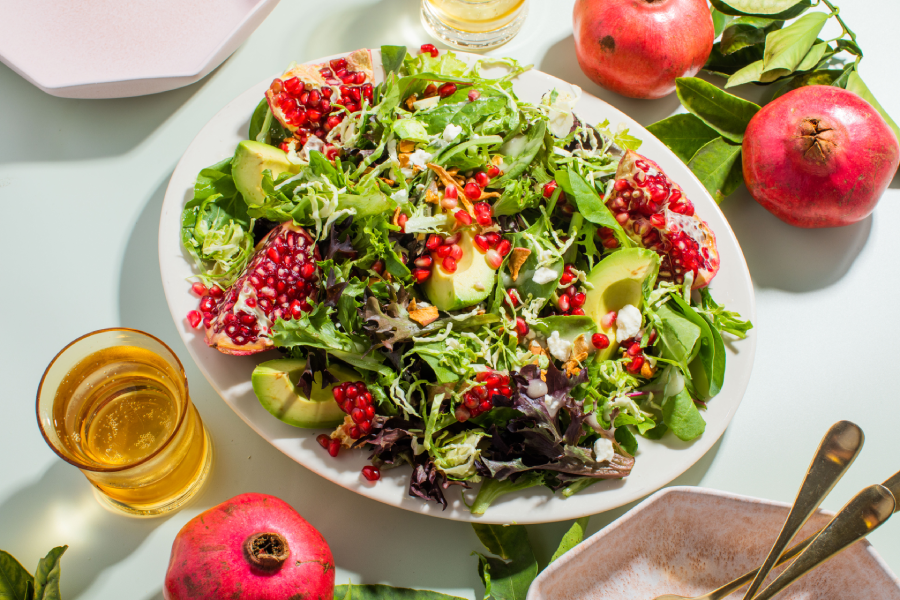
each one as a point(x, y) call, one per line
point(748, 74)
point(720, 21)
point(722, 111)
point(509, 576)
point(727, 65)
point(386, 592)
point(855, 84)
point(46, 577)
point(786, 48)
point(746, 31)
point(718, 167)
point(684, 134)
point(850, 46)
point(572, 538)
point(16, 583)
point(680, 414)
point(773, 9)
point(822, 77)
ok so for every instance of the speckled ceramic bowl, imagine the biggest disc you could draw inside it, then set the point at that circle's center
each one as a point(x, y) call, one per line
point(688, 541)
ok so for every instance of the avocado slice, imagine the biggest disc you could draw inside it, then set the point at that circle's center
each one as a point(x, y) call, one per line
point(470, 284)
point(250, 160)
point(618, 280)
point(275, 385)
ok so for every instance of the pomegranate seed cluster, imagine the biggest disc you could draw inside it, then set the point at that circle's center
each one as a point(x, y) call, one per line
point(479, 399)
point(281, 279)
point(570, 300)
point(356, 400)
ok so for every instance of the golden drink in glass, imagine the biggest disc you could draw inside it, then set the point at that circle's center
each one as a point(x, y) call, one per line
point(474, 24)
point(115, 404)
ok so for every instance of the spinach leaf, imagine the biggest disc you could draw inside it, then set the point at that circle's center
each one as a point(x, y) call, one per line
point(678, 335)
point(680, 414)
point(509, 576)
point(257, 121)
point(386, 592)
point(572, 537)
point(516, 165)
point(15, 582)
point(626, 439)
point(392, 58)
point(590, 205)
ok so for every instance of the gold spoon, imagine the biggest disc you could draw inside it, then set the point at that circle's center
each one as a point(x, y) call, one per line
point(837, 451)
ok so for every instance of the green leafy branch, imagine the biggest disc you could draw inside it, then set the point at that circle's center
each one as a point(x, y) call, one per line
point(756, 45)
point(16, 583)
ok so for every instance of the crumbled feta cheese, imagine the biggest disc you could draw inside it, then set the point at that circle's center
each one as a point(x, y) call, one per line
point(426, 102)
point(553, 404)
point(400, 196)
point(544, 275)
point(450, 132)
point(419, 158)
point(603, 449)
point(560, 349)
point(560, 112)
point(628, 322)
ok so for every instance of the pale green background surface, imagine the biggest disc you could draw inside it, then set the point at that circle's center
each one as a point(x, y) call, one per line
point(81, 188)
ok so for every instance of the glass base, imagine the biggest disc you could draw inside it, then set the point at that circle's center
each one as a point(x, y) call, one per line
point(170, 505)
point(467, 40)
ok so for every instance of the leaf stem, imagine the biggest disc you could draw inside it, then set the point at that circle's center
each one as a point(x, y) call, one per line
point(836, 11)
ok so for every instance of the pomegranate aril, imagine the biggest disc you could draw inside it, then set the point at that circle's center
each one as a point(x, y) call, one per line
point(433, 242)
point(338, 63)
point(401, 222)
point(481, 242)
point(358, 415)
point(455, 252)
point(332, 122)
point(334, 447)
point(504, 247)
point(493, 171)
point(428, 48)
point(521, 327)
point(578, 312)
point(194, 318)
point(215, 291)
point(474, 95)
point(636, 363)
point(308, 271)
point(549, 188)
point(370, 412)
point(423, 261)
point(462, 413)
point(323, 440)
point(199, 289)
point(351, 391)
point(365, 427)
point(492, 381)
point(449, 265)
point(485, 406)
point(338, 393)
point(371, 473)
point(493, 259)
point(314, 116)
point(368, 91)
point(472, 191)
point(578, 299)
point(563, 303)
point(421, 274)
point(492, 238)
point(634, 349)
point(471, 400)
point(354, 432)
point(451, 192)
point(207, 304)
point(608, 320)
point(463, 217)
point(447, 90)
point(444, 251)
point(453, 239)
point(482, 179)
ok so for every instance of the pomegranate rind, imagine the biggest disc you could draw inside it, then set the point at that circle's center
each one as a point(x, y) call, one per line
point(691, 225)
point(208, 561)
point(835, 182)
point(216, 337)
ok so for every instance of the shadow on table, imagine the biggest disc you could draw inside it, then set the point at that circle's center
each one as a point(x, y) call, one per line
point(60, 508)
point(791, 258)
point(560, 62)
point(92, 128)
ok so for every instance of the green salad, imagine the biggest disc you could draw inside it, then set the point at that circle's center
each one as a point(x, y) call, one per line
point(481, 289)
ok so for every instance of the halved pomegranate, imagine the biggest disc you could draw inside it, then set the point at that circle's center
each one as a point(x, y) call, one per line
point(279, 282)
point(655, 213)
point(303, 99)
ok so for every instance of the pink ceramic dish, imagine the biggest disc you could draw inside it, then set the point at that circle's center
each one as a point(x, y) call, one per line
point(116, 48)
point(688, 541)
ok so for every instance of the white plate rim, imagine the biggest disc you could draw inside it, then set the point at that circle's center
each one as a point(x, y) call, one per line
point(534, 505)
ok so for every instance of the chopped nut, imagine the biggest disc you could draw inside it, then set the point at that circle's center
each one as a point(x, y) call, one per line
point(537, 349)
point(406, 146)
point(517, 258)
point(403, 159)
point(424, 316)
point(396, 219)
point(580, 347)
point(389, 182)
point(647, 371)
point(572, 368)
point(410, 101)
point(432, 197)
point(412, 305)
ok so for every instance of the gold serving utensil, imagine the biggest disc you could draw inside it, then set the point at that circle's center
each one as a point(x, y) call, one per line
point(892, 484)
point(837, 451)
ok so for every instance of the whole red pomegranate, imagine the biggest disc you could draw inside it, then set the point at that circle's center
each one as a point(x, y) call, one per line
point(638, 47)
point(253, 547)
point(819, 156)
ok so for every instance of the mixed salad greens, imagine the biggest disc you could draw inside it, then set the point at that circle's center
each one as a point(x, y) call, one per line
point(541, 353)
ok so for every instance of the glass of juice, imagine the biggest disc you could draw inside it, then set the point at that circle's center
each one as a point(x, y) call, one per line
point(474, 24)
point(115, 404)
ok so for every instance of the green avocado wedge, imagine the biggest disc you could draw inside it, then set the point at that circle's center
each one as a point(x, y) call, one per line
point(275, 385)
point(470, 284)
point(618, 280)
point(251, 159)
